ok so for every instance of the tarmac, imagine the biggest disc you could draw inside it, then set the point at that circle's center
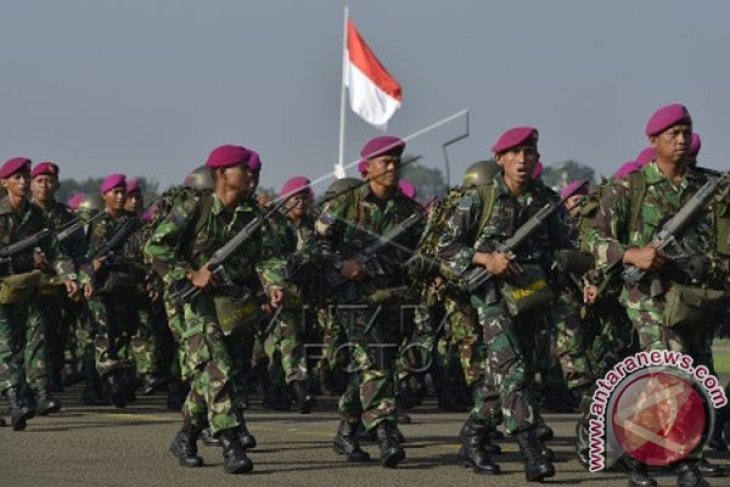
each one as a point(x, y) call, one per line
point(104, 446)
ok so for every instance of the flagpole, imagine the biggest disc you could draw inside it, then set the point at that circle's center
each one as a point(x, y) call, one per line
point(340, 168)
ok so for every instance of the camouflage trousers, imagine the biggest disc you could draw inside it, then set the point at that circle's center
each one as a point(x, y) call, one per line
point(114, 321)
point(374, 336)
point(22, 347)
point(466, 336)
point(288, 336)
point(216, 365)
point(143, 343)
point(510, 345)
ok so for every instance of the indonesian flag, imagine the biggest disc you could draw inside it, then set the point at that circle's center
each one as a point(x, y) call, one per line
point(374, 94)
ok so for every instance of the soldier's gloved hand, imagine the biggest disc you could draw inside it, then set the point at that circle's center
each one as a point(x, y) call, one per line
point(72, 287)
point(276, 296)
point(646, 258)
point(202, 278)
point(352, 271)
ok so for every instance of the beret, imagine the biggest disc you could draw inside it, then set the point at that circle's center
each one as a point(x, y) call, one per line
point(665, 117)
point(408, 189)
point(75, 200)
point(113, 181)
point(515, 137)
point(574, 188)
point(227, 156)
point(645, 157)
point(297, 184)
point(626, 169)
point(133, 186)
point(696, 145)
point(14, 165)
point(45, 168)
point(382, 145)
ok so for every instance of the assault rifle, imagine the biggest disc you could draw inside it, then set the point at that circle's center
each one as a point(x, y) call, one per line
point(75, 225)
point(665, 240)
point(117, 240)
point(184, 291)
point(474, 278)
point(368, 259)
point(31, 241)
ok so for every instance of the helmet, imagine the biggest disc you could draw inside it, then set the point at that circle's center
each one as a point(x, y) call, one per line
point(480, 172)
point(199, 178)
point(91, 203)
point(341, 185)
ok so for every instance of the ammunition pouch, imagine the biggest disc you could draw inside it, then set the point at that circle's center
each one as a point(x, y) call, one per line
point(236, 310)
point(18, 288)
point(691, 306)
point(527, 291)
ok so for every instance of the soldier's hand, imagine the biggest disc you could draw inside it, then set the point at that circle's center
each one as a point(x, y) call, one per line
point(497, 263)
point(645, 258)
point(89, 290)
point(276, 296)
point(97, 263)
point(352, 271)
point(202, 278)
point(590, 293)
point(39, 260)
point(72, 287)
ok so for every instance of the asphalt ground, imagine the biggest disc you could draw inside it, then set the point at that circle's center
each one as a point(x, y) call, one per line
point(103, 446)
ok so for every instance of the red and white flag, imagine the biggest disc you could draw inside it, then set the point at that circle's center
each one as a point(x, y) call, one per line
point(375, 95)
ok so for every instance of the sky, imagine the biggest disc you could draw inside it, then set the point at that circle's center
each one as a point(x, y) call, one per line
point(150, 87)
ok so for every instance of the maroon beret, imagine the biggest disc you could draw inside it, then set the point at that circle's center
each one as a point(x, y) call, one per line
point(113, 181)
point(297, 184)
point(45, 169)
point(228, 156)
point(75, 200)
point(133, 186)
point(665, 117)
point(626, 169)
point(516, 137)
point(696, 145)
point(537, 172)
point(408, 189)
point(574, 188)
point(645, 157)
point(254, 162)
point(14, 165)
point(380, 146)
point(362, 167)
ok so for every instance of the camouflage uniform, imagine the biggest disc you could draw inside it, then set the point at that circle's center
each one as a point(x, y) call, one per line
point(120, 295)
point(509, 340)
point(22, 327)
point(612, 236)
point(185, 240)
point(373, 331)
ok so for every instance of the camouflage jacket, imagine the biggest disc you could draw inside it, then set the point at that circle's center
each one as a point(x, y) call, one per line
point(462, 237)
point(612, 236)
point(349, 223)
point(14, 227)
point(126, 260)
point(186, 239)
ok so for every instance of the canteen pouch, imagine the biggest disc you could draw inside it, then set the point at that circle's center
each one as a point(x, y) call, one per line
point(234, 312)
point(17, 288)
point(527, 291)
point(692, 305)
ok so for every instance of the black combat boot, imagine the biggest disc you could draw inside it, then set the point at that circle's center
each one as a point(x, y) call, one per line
point(638, 477)
point(488, 441)
point(234, 455)
point(248, 441)
point(582, 445)
point(20, 413)
point(47, 404)
point(688, 475)
point(346, 442)
point(2, 422)
point(184, 446)
point(115, 389)
point(537, 467)
point(391, 453)
point(544, 432)
point(305, 401)
point(472, 450)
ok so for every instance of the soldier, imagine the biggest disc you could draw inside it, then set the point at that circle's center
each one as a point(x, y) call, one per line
point(218, 321)
point(22, 348)
point(631, 211)
point(61, 313)
point(484, 218)
point(120, 277)
point(344, 227)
